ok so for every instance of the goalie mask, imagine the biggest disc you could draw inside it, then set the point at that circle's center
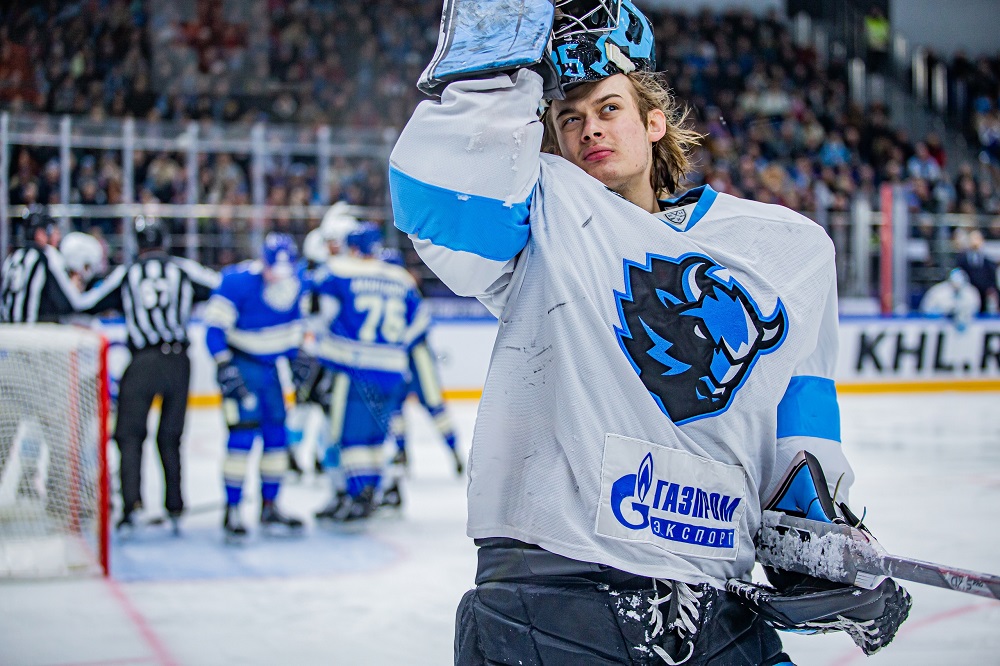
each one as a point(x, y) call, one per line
point(594, 39)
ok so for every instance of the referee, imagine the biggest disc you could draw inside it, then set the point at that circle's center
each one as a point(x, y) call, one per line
point(34, 283)
point(155, 294)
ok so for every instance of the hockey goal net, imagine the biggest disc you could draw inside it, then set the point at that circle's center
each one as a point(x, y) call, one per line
point(54, 507)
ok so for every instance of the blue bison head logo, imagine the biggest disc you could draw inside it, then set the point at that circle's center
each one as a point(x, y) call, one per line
point(692, 333)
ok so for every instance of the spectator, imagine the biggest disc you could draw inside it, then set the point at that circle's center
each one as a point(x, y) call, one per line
point(766, 103)
point(922, 165)
point(982, 271)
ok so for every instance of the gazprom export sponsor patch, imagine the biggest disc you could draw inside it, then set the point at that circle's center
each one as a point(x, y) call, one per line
point(672, 499)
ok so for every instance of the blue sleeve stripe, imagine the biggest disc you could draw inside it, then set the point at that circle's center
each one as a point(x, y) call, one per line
point(461, 222)
point(809, 409)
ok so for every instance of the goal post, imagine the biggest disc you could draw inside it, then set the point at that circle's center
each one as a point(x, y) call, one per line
point(54, 481)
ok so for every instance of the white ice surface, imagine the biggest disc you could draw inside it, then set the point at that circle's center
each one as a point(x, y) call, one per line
point(928, 470)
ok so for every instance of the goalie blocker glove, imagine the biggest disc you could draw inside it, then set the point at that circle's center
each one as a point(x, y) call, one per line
point(482, 38)
point(799, 602)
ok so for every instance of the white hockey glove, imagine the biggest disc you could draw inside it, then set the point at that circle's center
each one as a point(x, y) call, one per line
point(482, 38)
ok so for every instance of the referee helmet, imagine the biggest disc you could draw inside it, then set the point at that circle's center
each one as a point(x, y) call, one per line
point(35, 219)
point(150, 233)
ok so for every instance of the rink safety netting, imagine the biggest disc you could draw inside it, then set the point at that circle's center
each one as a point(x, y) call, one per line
point(53, 451)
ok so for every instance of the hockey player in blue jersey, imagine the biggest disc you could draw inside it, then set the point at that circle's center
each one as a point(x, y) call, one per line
point(369, 316)
point(662, 356)
point(312, 382)
point(254, 318)
point(425, 383)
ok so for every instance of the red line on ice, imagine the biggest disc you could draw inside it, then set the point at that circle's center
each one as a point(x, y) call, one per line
point(163, 656)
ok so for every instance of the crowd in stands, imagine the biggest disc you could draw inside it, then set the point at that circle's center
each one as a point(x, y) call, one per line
point(779, 122)
point(974, 95)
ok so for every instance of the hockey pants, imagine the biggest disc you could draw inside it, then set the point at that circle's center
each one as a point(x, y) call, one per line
point(536, 608)
point(264, 416)
point(359, 422)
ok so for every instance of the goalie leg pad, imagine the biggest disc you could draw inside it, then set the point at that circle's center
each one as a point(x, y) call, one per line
point(479, 38)
point(870, 617)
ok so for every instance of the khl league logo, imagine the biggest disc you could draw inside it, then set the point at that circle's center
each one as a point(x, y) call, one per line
point(692, 333)
point(687, 514)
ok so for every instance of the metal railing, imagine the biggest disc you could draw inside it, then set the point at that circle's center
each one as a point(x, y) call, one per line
point(917, 92)
point(259, 144)
point(217, 234)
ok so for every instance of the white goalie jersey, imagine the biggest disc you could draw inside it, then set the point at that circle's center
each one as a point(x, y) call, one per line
point(653, 375)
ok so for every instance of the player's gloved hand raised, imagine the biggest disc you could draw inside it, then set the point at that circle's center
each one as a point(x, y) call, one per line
point(478, 39)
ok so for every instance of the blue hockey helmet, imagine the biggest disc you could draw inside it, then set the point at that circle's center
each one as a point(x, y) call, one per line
point(366, 239)
point(594, 39)
point(279, 251)
point(391, 255)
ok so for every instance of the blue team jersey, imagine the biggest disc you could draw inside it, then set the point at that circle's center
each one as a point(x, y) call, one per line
point(371, 314)
point(247, 314)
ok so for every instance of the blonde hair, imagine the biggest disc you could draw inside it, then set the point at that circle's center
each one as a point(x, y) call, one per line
point(671, 154)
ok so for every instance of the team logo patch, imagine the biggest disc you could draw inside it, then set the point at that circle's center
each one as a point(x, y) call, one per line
point(692, 333)
point(671, 499)
point(676, 216)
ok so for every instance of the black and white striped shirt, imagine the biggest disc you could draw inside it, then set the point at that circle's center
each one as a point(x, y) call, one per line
point(155, 294)
point(35, 286)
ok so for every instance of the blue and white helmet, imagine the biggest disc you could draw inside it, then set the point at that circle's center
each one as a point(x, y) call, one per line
point(366, 239)
point(279, 253)
point(594, 39)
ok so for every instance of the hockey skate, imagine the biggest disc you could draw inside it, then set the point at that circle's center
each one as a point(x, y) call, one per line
point(391, 501)
point(128, 524)
point(232, 525)
point(125, 528)
point(174, 518)
point(361, 507)
point(274, 523)
point(349, 513)
point(335, 507)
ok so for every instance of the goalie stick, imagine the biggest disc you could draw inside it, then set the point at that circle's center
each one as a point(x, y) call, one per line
point(849, 555)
